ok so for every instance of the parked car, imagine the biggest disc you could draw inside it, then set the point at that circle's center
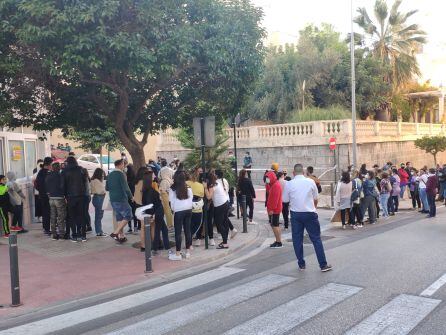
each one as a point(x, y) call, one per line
point(93, 161)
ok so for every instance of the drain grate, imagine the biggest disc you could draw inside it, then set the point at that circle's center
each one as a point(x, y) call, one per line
point(308, 241)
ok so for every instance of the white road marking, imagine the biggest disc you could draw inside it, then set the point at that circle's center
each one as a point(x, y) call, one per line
point(398, 317)
point(434, 287)
point(59, 322)
point(184, 315)
point(285, 317)
point(252, 253)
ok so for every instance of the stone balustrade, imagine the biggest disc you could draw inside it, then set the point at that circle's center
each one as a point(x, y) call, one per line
point(317, 133)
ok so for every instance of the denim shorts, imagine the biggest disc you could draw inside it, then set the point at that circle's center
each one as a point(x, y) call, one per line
point(123, 211)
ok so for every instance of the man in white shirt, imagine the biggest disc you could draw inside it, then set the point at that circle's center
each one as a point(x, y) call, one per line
point(301, 193)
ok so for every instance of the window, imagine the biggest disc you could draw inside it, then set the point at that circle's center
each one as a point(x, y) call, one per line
point(17, 158)
point(30, 157)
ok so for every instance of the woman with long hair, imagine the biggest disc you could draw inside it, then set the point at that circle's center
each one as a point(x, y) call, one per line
point(180, 197)
point(384, 193)
point(131, 181)
point(215, 190)
point(150, 195)
point(370, 194)
point(197, 203)
point(343, 198)
point(357, 196)
point(98, 191)
point(245, 187)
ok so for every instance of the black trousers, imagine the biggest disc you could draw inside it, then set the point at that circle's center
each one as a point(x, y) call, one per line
point(181, 221)
point(76, 212)
point(416, 201)
point(210, 221)
point(46, 212)
point(286, 213)
point(221, 221)
point(17, 220)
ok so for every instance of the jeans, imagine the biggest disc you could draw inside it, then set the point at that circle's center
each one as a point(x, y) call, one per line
point(98, 202)
point(161, 228)
point(423, 197)
point(310, 222)
point(221, 221)
point(432, 206)
point(17, 220)
point(286, 213)
point(384, 201)
point(249, 207)
point(76, 209)
point(356, 213)
point(181, 221)
point(396, 202)
point(369, 204)
point(343, 216)
point(58, 215)
point(403, 189)
point(46, 212)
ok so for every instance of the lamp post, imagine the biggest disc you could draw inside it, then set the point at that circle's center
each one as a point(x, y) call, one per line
point(234, 128)
point(353, 88)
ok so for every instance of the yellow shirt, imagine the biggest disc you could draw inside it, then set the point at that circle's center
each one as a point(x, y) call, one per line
point(197, 190)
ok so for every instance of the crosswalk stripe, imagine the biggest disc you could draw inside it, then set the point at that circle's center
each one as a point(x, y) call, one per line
point(398, 317)
point(289, 315)
point(184, 315)
point(434, 287)
point(59, 322)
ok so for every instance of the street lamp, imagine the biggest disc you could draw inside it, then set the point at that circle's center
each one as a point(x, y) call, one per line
point(353, 88)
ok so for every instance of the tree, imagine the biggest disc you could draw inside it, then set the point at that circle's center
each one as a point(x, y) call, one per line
point(94, 139)
point(395, 42)
point(139, 65)
point(432, 145)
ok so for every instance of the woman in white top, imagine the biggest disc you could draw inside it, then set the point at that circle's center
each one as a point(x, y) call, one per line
point(215, 190)
point(180, 197)
point(97, 188)
point(422, 179)
point(343, 197)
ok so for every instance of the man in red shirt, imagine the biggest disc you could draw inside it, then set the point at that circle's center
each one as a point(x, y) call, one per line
point(404, 179)
point(274, 206)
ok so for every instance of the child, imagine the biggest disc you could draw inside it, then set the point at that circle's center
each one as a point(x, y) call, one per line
point(16, 198)
point(4, 205)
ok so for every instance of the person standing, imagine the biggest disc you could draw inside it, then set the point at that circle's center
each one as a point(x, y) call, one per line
point(58, 206)
point(357, 196)
point(274, 207)
point(396, 190)
point(247, 163)
point(197, 205)
point(97, 188)
point(43, 195)
point(225, 183)
point(181, 198)
point(343, 198)
point(422, 182)
point(404, 179)
point(285, 205)
point(245, 187)
point(37, 206)
point(370, 193)
point(442, 181)
point(120, 195)
point(384, 194)
point(414, 190)
point(74, 180)
point(302, 194)
point(431, 191)
point(310, 174)
point(5, 206)
point(16, 198)
point(87, 201)
point(166, 181)
point(131, 181)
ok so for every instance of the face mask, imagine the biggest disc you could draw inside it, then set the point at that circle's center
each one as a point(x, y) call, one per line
point(267, 180)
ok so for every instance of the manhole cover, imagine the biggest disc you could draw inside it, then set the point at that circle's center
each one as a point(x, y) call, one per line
point(308, 241)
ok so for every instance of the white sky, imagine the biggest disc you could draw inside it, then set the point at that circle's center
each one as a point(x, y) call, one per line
point(284, 18)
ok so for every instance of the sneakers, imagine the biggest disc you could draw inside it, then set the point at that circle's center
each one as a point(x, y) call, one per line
point(212, 242)
point(74, 240)
point(55, 237)
point(197, 243)
point(276, 245)
point(344, 227)
point(101, 235)
point(326, 268)
point(129, 231)
point(6, 236)
point(13, 228)
point(187, 255)
point(252, 223)
point(84, 239)
point(233, 233)
point(174, 257)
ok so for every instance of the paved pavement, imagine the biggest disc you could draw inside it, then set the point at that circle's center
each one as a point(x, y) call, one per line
point(387, 279)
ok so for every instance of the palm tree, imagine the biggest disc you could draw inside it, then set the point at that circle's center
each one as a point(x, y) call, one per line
point(395, 42)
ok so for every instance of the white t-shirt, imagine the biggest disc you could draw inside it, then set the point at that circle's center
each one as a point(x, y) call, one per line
point(221, 193)
point(423, 180)
point(300, 193)
point(178, 205)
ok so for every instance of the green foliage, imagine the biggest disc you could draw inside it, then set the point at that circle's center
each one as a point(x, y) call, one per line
point(140, 65)
point(316, 114)
point(94, 139)
point(215, 157)
point(432, 145)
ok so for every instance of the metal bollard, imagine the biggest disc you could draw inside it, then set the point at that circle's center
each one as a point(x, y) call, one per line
point(14, 270)
point(332, 194)
point(245, 219)
point(148, 244)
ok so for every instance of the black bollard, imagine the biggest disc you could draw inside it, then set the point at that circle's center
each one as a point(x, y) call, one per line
point(245, 219)
point(148, 243)
point(14, 270)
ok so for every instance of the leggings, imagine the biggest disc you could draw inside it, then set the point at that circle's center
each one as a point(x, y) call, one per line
point(4, 220)
point(286, 213)
point(196, 224)
point(181, 221)
point(221, 221)
point(416, 201)
point(343, 216)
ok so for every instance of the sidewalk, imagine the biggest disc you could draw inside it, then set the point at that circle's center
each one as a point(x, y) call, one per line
point(52, 272)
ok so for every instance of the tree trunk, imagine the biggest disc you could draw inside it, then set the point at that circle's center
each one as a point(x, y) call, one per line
point(137, 154)
point(435, 160)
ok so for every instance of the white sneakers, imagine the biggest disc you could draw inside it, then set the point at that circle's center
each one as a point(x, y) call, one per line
point(174, 257)
point(187, 255)
point(252, 223)
point(197, 243)
point(211, 242)
point(233, 233)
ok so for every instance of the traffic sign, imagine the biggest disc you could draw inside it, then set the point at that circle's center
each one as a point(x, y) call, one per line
point(332, 143)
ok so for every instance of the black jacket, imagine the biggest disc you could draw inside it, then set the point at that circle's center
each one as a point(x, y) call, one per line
point(245, 187)
point(40, 182)
point(73, 181)
point(53, 185)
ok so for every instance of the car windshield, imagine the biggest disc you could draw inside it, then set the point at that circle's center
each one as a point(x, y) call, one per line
point(105, 160)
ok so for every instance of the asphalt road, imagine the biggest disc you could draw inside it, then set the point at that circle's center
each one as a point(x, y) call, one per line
point(387, 279)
